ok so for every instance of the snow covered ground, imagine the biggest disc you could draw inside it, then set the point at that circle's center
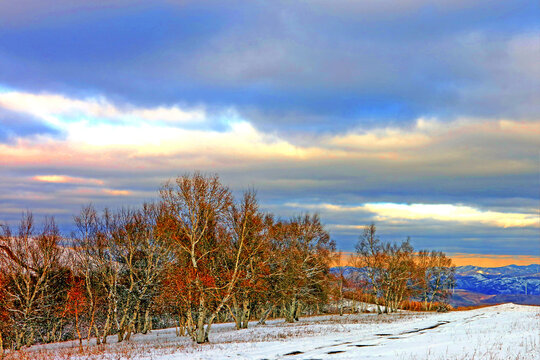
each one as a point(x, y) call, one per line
point(501, 332)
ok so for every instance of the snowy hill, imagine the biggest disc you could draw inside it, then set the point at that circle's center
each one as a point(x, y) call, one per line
point(501, 332)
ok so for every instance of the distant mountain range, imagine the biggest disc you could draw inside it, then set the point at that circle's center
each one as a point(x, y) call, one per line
point(510, 270)
point(479, 285)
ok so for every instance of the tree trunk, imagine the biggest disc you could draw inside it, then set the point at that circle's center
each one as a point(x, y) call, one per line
point(298, 310)
point(147, 321)
point(92, 309)
point(107, 325)
point(266, 313)
point(201, 335)
point(131, 321)
point(98, 338)
point(92, 320)
point(181, 331)
point(18, 338)
point(290, 311)
point(245, 314)
point(123, 324)
point(341, 295)
point(77, 327)
point(236, 313)
point(1, 347)
point(30, 340)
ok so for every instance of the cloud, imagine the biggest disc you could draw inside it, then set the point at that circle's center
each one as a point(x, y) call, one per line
point(117, 192)
point(290, 62)
point(14, 124)
point(241, 140)
point(144, 131)
point(403, 214)
point(380, 139)
point(62, 179)
point(92, 135)
point(451, 212)
point(51, 106)
point(327, 207)
point(339, 103)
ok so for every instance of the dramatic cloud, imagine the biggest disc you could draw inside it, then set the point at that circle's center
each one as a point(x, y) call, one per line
point(48, 106)
point(421, 116)
point(448, 212)
point(389, 212)
point(287, 62)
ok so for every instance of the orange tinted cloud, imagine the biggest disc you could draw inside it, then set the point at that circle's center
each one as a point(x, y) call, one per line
point(117, 192)
point(61, 179)
point(84, 191)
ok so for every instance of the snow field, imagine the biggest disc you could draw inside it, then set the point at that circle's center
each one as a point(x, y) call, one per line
point(501, 332)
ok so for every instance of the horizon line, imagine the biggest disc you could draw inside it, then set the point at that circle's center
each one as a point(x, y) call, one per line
point(481, 260)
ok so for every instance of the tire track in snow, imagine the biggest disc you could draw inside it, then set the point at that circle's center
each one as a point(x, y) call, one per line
point(342, 347)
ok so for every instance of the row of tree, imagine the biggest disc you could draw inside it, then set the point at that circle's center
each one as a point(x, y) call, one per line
point(192, 258)
point(394, 272)
point(195, 256)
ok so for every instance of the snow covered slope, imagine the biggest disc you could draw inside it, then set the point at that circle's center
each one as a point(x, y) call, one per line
point(500, 332)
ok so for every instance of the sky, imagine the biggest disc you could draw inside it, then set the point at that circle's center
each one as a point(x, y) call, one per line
point(420, 116)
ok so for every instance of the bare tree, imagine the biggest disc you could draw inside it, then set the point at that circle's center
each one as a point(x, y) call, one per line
point(209, 251)
point(370, 257)
point(304, 251)
point(141, 251)
point(31, 262)
point(339, 280)
point(438, 277)
point(250, 229)
point(397, 272)
point(87, 260)
point(94, 247)
point(388, 268)
point(5, 323)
